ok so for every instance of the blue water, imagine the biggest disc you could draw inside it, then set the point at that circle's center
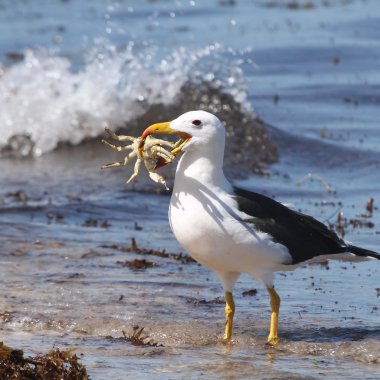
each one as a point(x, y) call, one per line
point(70, 68)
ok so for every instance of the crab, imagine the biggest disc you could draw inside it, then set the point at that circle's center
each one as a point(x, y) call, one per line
point(149, 150)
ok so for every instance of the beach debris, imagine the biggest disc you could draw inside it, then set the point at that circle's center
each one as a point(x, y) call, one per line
point(361, 223)
point(134, 248)
point(151, 151)
point(196, 302)
point(74, 198)
point(104, 224)
point(134, 245)
point(335, 59)
point(137, 264)
point(90, 222)
point(370, 205)
point(292, 5)
point(339, 225)
point(351, 100)
point(227, 2)
point(19, 196)
point(56, 364)
point(342, 224)
point(136, 339)
point(6, 316)
point(250, 293)
point(57, 216)
point(275, 98)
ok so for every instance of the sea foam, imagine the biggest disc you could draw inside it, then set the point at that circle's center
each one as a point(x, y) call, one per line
point(44, 101)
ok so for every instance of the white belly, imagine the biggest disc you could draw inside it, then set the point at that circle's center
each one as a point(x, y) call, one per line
point(210, 230)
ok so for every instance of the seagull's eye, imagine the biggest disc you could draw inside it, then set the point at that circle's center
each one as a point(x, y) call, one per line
point(196, 122)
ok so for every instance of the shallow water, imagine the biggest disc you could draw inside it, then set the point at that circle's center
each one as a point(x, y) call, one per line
point(66, 227)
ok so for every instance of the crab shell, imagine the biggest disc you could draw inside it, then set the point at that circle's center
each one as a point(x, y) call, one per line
point(164, 128)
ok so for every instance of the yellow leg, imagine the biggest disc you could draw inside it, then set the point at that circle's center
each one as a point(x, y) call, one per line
point(275, 307)
point(230, 311)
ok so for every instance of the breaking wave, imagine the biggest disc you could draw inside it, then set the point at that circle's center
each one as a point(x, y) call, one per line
point(45, 102)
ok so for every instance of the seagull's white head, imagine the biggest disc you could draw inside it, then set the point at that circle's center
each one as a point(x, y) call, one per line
point(199, 130)
point(202, 126)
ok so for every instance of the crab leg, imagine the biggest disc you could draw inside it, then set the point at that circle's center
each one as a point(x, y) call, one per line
point(113, 165)
point(165, 157)
point(161, 152)
point(149, 150)
point(157, 142)
point(126, 161)
point(178, 146)
point(136, 170)
point(178, 143)
point(116, 147)
point(119, 137)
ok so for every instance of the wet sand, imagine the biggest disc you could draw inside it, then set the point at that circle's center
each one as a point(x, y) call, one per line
point(67, 261)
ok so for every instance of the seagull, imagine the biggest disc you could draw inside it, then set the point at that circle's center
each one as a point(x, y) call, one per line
point(233, 231)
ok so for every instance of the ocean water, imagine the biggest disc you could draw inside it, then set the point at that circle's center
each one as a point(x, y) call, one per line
point(297, 84)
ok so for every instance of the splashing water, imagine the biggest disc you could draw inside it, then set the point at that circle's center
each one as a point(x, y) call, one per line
point(44, 102)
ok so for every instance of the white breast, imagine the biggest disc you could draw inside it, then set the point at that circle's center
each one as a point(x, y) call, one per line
point(208, 225)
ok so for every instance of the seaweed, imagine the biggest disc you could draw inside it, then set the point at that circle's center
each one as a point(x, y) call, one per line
point(361, 221)
point(6, 316)
point(196, 302)
point(370, 206)
point(90, 222)
point(134, 248)
point(136, 339)
point(56, 364)
point(292, 5)
point(19, 196)
point(137, 227)
point(137, 264)
point(250, 293)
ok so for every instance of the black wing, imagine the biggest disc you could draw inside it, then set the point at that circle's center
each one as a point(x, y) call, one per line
point(304, 236)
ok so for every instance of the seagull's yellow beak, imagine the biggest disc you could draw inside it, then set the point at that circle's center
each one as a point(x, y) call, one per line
point(164, 128)
point(159, 128)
